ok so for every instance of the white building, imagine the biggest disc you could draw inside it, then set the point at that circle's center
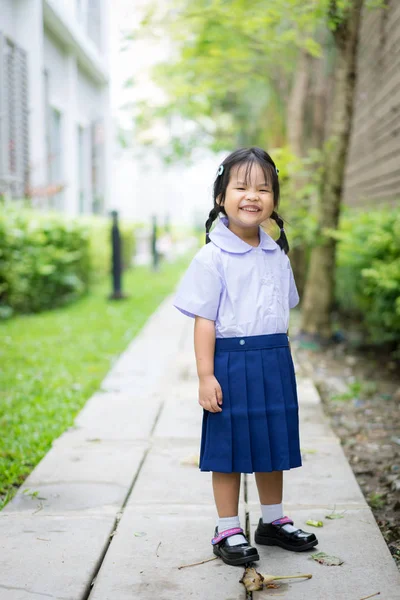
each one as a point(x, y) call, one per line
point(55, 122)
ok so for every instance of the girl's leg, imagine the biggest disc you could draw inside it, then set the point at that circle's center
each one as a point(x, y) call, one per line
point(226, 488)
point(284, 534)
point(270, 487)
point(270, 491)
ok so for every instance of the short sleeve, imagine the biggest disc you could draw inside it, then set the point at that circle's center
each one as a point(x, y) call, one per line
point(199, 291)
point(293, 293)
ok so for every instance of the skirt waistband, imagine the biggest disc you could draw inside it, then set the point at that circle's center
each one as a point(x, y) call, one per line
point(253, 342)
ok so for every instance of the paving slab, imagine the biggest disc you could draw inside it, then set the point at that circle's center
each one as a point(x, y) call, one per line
point(127, 468)
point(181, 415)
point(85, 478)
point(368, 567)
point(168, 479)
point(46, 557)
point(325, 478)
point(144, 558)
point(120, 416)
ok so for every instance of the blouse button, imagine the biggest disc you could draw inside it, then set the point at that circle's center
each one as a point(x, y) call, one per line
point(242, 342)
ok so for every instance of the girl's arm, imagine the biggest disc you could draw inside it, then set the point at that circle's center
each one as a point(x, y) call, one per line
point(210, 393)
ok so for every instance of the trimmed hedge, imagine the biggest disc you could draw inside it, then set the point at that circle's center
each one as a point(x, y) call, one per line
point(368, 271)
point(47, 260)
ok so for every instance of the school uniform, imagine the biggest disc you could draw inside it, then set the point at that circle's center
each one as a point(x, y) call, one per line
point(248, 292)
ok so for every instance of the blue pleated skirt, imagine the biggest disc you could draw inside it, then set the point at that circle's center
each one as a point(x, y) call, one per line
point(258, 428)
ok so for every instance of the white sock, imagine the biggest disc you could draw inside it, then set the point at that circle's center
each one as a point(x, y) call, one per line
point(271, 512)
point(229, 523)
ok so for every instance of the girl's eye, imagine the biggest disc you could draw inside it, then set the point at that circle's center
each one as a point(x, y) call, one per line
point(241, 189)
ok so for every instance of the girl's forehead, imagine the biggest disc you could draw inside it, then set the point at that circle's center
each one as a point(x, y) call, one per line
point(249, 173)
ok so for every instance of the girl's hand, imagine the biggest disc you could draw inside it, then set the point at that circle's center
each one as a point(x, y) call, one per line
point(210, 393)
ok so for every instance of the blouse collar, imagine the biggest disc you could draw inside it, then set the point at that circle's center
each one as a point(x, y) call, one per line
point(225, 239)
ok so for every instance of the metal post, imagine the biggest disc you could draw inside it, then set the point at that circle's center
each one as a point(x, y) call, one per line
point(116, 259)
point(154, 244)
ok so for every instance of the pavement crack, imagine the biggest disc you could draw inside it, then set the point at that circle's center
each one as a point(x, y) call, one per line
point(27, 591)
point(157, 418)
point(117, 519)
point(249, 595)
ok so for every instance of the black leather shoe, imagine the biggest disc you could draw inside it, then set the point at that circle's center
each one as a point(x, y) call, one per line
point(273, 534)
point(233, 555)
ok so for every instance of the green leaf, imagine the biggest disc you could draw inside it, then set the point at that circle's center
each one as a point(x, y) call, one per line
point(314, 523)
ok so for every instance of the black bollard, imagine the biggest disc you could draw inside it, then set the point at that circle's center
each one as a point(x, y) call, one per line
point(116, 268)
point(154, 244)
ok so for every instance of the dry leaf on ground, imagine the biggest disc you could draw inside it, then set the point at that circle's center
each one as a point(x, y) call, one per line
point(254, 581)
point(327, 559)
point(335, 515)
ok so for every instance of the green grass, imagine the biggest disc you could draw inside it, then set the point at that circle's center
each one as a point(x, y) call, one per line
point(52, 362)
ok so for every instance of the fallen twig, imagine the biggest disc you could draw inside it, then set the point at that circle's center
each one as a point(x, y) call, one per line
point(198, 563)
point(371, 596)
point(38, 509)
point(157, 549)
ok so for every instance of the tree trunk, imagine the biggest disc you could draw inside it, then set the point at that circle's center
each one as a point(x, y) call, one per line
point(297, 102)
point(319, 103)
point(296, 119)
point(319, 292)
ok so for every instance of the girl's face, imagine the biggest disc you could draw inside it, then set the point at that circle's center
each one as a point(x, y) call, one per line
point(248, 204)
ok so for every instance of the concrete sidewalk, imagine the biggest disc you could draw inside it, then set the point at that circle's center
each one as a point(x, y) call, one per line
point(120, 507)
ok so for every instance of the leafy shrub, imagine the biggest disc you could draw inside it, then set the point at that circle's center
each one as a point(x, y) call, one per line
point(368, 271)
point(44, 261)
point(48, 259)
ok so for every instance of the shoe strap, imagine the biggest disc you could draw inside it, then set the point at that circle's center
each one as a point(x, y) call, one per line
point(282, 521)
point(225, 534)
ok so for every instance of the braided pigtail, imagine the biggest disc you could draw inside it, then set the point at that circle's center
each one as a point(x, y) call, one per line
point(282, 241)
point(211, 218)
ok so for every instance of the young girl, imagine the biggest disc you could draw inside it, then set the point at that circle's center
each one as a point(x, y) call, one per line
point(239, 288)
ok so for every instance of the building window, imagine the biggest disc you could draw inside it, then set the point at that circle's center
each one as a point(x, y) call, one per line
point(84, 171)
point(94, 21)
point(88, 14)
point(14, 141)
point(80, 11)
point(55, 159)
point(97, 164)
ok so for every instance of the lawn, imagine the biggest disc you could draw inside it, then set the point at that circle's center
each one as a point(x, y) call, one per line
point(52, 362)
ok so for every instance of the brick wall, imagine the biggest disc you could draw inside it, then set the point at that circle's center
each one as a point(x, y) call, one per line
point(373, 166)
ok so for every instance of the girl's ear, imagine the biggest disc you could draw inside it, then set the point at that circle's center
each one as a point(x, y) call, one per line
point(218, 200)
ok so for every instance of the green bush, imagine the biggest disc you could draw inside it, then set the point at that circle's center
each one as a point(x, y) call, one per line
point(48, 259)
point(44, 261)
point(368, 271)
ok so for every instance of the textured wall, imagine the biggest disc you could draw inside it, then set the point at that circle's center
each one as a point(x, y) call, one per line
point(373, 166)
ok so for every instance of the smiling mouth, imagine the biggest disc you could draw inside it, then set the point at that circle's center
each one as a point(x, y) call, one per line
point(252, 209)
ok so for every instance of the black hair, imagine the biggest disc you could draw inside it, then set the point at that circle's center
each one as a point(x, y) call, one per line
point(247, 156)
